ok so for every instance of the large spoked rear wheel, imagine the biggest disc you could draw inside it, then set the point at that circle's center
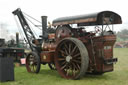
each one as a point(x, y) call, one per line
point(33, 63)
point(71, 58)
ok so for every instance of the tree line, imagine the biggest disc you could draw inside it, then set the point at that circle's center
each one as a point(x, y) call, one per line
point(123, 35)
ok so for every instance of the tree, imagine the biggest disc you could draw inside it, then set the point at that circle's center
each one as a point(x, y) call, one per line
point(123, 34)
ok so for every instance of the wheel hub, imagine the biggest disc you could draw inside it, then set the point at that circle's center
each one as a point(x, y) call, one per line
point(68, 58)
point(31, 63)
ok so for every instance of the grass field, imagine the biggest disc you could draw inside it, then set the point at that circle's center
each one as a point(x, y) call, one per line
point(49, 77)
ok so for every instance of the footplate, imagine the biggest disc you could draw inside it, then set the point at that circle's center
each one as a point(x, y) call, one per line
point(110, 61)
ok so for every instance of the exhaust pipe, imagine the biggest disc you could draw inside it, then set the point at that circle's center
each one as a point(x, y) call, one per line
point(17, 39)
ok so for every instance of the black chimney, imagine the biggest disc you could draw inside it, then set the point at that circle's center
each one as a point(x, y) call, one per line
point(44, 27)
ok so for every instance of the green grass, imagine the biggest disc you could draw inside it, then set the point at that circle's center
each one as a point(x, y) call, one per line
point(49, 77)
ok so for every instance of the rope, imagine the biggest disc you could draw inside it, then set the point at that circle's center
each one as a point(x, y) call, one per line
point(32, 22)
point(31, 17)
point(33, 30)
point(30, 25)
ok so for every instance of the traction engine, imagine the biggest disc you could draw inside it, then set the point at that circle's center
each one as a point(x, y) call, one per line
point(70, 47)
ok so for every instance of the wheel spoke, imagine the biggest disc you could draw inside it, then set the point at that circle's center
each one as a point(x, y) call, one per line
point(62, 52)
point(73, 50)
point(31, 59)
point(64, 62)
point(76, 55)
point(69, 48)
point(33, 68)
point(65, 46)
point(66, 51)
point(66, 69)
point(65, 65)
point(77, 61)
point(73, 71)
point(35, 61)
point(78, 58)
point(78, 66)
point(61, 59)
point(75, 67)
point(67, 72)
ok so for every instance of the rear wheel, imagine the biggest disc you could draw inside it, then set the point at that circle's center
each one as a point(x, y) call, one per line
point(33, 63)
point(71, 58)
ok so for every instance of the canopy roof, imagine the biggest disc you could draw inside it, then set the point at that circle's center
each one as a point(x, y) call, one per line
point(99, 18)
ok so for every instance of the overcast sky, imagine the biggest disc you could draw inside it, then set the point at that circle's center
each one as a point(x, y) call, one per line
point(60, 8)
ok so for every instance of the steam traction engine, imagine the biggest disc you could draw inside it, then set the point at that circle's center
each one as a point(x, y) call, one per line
point(70, 47)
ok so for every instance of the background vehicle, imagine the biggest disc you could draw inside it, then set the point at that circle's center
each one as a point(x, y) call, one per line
point(12, 49)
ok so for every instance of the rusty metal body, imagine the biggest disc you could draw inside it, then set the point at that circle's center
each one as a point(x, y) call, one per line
point(74, 51)
point(100, 48)
point(100, 54)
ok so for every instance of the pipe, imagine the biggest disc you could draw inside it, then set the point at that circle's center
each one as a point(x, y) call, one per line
point(17, 39)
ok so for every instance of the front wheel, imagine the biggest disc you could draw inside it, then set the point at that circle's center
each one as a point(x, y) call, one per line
point(71, 58)
point(33, 62)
